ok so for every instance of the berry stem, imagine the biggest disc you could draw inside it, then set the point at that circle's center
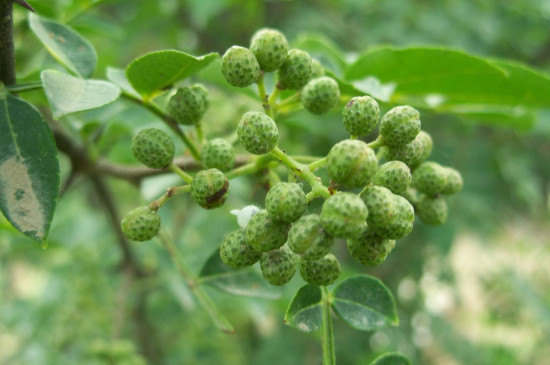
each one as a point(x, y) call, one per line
point(170, 192)
point(200, 134)
point(329, 357)
point(317, 164)
point(273, 97)
point(252, 167)
point(194, 284)
point(184, 175)
point(295, 98)
point(378, 142)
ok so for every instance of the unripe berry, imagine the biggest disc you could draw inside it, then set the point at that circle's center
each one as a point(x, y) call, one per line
point(429, 178)
point(454, 182)
point(432, 210)
point(401, 224)
point(188, 105)
point(317, 70)
point(351, 163)
point(320, 95)
point(278, 266)
point(361, 115)
point(381, 205)
point(219, 154)
point(210, 188)
point(322, 272)
point(413, 153)
point(286, 202)
point(153, 148)
point(308, 238)
point(236, 252)
point(203, 92)
point(257, 132)
point(400, 125)
point(141, 224)
point(240, 67)
point(344, 215)
point(265, 233)
point(427, 144)
point(370, 249)
point(295, 72)
point(270, 48)
point(394, 175)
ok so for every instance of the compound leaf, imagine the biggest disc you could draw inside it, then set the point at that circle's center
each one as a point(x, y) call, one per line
point(305, 310)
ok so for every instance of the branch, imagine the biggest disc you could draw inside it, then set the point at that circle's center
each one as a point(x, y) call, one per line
point(7, 58)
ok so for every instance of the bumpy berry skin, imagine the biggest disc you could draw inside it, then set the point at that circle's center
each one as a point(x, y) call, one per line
point(401, 224)
point(361, 115)
point(210, 188)
point(286, 202)
point(240, 67)
point(430, 178)
point(322, 272)
point(454, 182)
point(370, 249)
point(351, 163)
point(153, 148)
point(278, 266)
point(270, 48)
point(218, 154)
point(141, 224)
point(188, 105)
point(295, 72)
point(432, 210)
point(400, 125)
point(394, 175)
point(201, 90)
point(317, 70)
point(344, 215)
point(265, 233)
point(257, 132)
point(236, 252)
point(413, 153)
point(308, 238)
point(320, 95)
point(381, 205)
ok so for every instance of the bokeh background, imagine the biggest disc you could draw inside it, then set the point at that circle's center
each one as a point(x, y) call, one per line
point(473, 291)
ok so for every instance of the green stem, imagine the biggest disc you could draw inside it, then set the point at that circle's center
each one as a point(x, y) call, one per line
point(352, 136)
point(31, 86)
point(274, 96)
point(295, 98)
point(200, 134)
point(217, 317)
point(329, 357)
point(252, 167)
point(378, 142)
point(317, 164)
point(184, 175)
point(170, 192)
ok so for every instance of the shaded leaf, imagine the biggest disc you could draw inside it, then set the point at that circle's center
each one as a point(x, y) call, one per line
point(323, 49)
point(68, 94)
point(118, 77)
point(364, 303)
point(157, 70)
point(65, 45)
point(246, 282)
point(305, 310)
point(391, 359)
point(29, 168)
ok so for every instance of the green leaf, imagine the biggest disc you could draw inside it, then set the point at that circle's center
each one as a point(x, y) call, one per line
point(157, 70)
point(305, 311)
point(364, 303)
point(29, 168)
point(391, 359)
point(323, 49)
point(118, 77)
point(245, 282)
point(65, 45)
point(68, 94)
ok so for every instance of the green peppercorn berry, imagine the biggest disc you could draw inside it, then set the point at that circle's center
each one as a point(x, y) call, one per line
point(203, 92)
point(296, 71)
point(432, 210)
point(454, 182)
point(153, 148)
point(344, 215)
point(401, 224)
point(308, 238)
point(141, 224)
point(278, 266)
point(240, 67)
point(257, 132)
point(400, 125)
point(370, 249)
point(361, 115)
point(265, 233)
point(270, 48)
point(219, 154)
point(413, 153)
point(286, 202)
point(320, 95)
point(381, 205)
point(430, 178)
point(188, 105)
point(351, 163)
point(394, 175)
point(236, 252)
point(427, 144)
point(317, 70)
point(322, 272)
point(210, 188)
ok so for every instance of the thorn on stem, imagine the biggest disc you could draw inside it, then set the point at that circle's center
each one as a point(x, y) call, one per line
point(24, 4)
